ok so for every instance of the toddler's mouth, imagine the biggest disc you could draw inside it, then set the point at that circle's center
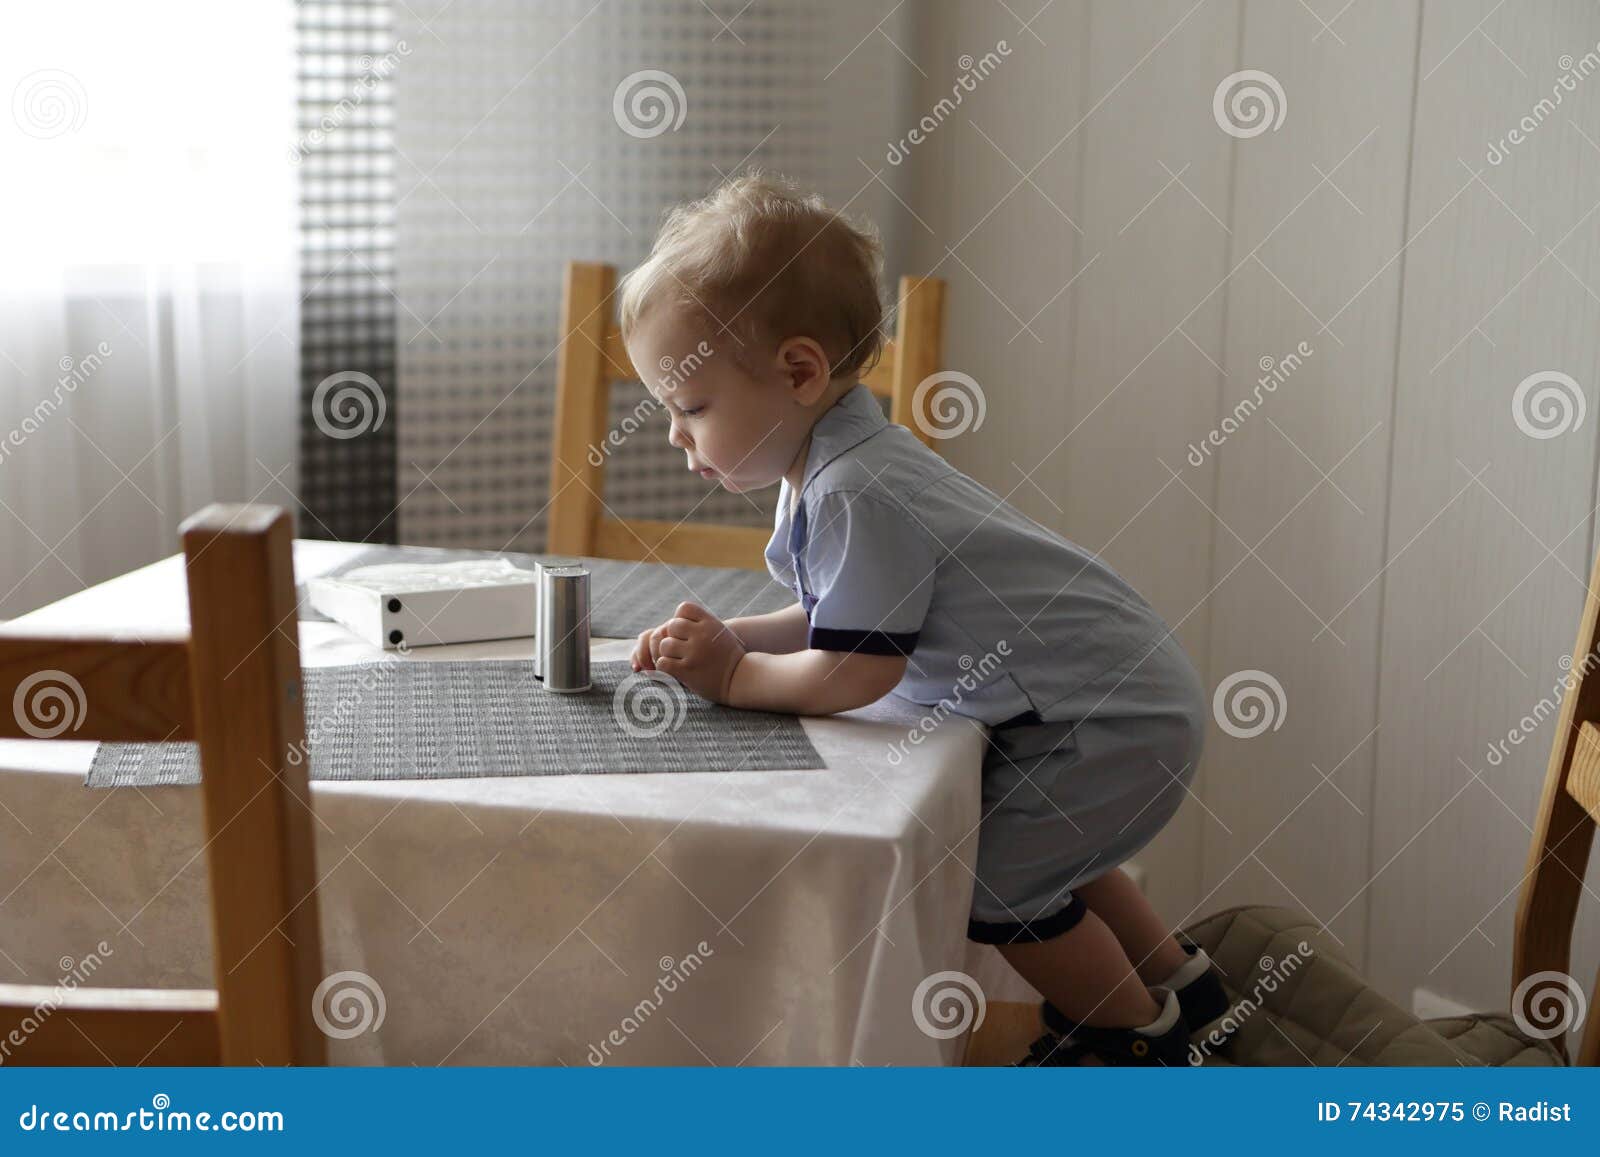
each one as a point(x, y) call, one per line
point(707, 472)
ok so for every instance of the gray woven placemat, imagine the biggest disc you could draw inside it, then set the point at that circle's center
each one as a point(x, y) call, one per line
point(624, 597)
point(411, 719)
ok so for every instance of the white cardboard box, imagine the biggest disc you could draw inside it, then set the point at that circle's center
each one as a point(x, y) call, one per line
point(423, 605)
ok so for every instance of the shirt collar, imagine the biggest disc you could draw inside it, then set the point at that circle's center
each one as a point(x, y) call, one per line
point(851, 420)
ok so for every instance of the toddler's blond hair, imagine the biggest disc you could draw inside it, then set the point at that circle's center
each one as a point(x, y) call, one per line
point(768, 261)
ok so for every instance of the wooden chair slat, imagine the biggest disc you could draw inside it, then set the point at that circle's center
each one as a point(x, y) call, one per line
point(112, 690)
point(699, 543)
point(116, 1026)
point(247, 690)
point(1583, 781)
point(582, 405)
point(919, 340)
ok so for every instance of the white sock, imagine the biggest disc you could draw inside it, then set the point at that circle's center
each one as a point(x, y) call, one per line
point(1168, 1000)
point(1189, 971)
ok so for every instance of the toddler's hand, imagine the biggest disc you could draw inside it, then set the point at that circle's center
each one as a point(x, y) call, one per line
point(648, 647)
point(697, 649)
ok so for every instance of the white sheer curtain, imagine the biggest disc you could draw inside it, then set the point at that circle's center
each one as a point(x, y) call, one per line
point(149, 328)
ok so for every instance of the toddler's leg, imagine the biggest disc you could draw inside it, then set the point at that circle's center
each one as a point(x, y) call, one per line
point(1085, 973)
point(1116, 899)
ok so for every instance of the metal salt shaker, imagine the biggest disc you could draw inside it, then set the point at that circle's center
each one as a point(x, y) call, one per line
point(563, 644)
point(539, 566)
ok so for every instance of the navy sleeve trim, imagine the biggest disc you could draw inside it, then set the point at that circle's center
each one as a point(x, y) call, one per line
point(862, 642)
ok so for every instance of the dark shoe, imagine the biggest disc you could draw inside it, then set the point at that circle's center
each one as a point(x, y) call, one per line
point(1165, 1042)
point(1049, 1051)
point(1206, 1004)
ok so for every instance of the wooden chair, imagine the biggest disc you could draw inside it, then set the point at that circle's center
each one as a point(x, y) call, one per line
point(1569, 810)
point(233, 685)
point(592, 357)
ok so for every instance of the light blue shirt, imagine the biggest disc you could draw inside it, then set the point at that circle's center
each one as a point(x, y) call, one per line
point(891, 550)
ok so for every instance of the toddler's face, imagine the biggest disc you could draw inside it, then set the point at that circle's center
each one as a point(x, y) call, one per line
point(736, 427)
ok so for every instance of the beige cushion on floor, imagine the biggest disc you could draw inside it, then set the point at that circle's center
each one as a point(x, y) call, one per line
point(1302, 1003)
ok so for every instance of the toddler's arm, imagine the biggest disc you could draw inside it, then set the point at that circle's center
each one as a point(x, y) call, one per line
point(701, 651)
point(778, 633)
point(812, 682)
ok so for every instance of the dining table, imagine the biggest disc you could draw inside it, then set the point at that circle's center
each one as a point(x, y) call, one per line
point(733, 917)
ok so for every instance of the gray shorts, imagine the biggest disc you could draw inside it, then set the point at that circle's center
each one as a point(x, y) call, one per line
point(1066, 801)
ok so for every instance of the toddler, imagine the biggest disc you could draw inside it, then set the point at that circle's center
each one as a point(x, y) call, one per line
point(909, 577)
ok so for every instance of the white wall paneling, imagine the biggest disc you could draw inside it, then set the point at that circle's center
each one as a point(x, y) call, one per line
point(1500, 283)
point(1298, 521)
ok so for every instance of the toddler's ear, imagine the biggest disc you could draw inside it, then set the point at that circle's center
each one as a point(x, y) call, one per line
point(805, 363)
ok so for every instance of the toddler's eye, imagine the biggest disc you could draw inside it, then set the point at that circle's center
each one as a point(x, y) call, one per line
point(691, 412)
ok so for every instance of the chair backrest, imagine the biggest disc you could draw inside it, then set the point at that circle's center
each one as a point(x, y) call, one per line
point(592, 357)
point(233, 686)
point(1569, 809)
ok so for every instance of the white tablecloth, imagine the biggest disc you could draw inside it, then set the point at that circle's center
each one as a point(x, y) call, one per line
point(540, 920)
